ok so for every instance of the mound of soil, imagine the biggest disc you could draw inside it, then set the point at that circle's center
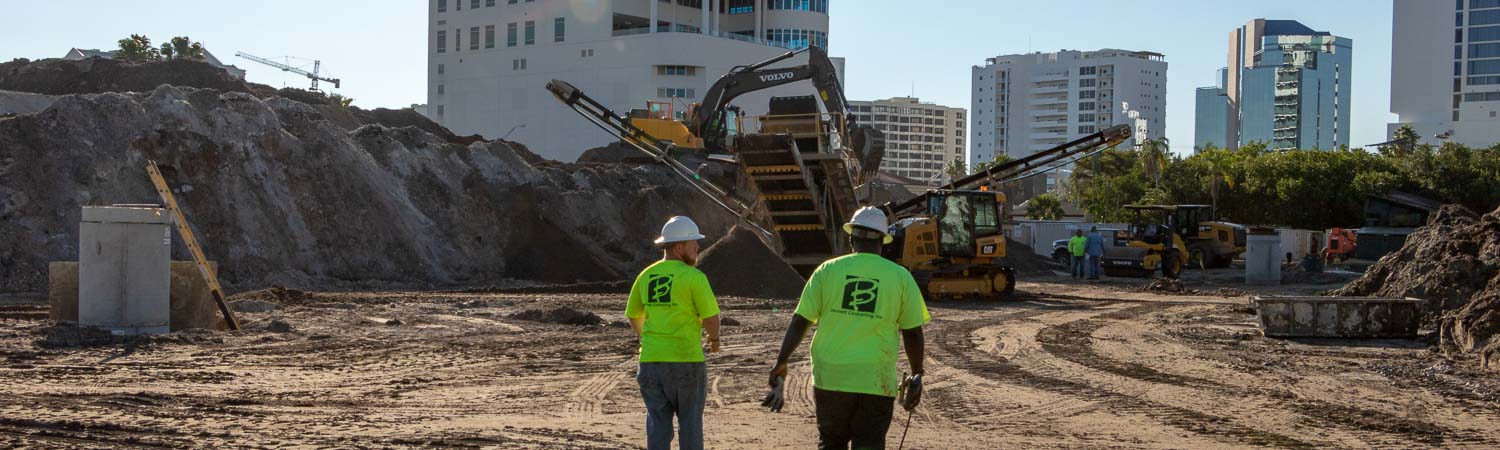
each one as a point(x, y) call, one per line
point(69, 335)
point(1025, 260)
point(561, 315)
point(1164, 285)
point(1446, 262)
point(274, 295)
point(615, 152)
point(741, 265)
point(98, 75)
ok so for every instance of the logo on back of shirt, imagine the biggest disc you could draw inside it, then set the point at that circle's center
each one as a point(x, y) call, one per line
point(659, 289)
point(860, 293)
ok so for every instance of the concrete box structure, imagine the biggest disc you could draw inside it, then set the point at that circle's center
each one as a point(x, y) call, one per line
point(124, 281)
point(1263, 259)
point(192, 303)
point(488, 61)
point(1338, 317)
point(1445, 78)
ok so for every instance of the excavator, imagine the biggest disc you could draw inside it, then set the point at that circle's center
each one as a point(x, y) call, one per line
point(951, 239)
point(801, 166)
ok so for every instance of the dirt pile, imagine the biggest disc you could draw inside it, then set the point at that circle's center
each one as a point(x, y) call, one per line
point(280, 194)
point(1025, 260)
point(98, 75)
point(562, 315)
point(69, 335)
point(1164, 285)
point(741, 265)
point(1454, 264)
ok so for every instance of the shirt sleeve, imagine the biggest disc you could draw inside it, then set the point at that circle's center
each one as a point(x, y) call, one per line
point(703, 296)
point(635, 308)
point(810, 305)
point(913, 306)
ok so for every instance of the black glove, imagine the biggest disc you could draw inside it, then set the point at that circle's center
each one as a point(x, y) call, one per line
point(911, 392)
point(777, 397)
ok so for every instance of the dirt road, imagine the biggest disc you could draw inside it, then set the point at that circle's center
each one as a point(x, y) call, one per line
point(1062, 366)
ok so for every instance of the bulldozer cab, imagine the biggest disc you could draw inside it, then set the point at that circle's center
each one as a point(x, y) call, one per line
point(963, 217)
point(1153, 224)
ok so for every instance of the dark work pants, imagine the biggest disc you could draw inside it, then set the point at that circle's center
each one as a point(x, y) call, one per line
point(673, 389)
point(844, 418)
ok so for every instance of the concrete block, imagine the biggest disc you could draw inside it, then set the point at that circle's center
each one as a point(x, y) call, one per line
point(124, 255)
point(1338, 317)
point(192, 305)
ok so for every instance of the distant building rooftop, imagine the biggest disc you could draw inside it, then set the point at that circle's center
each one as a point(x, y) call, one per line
point(208, 57)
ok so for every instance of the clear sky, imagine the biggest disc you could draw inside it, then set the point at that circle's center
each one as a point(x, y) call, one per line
point(377, 46)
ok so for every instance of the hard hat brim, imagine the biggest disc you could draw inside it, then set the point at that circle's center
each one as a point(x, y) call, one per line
point(849, 229)
point(663, 240)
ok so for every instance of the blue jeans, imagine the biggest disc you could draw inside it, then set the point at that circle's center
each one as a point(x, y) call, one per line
point(670, 389)
point(1077, 267)
point(1095, 265)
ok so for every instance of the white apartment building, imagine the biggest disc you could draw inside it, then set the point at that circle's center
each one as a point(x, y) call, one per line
point(1031, 102)
point(1445, 70)
point(490, 60)
point(921, 139)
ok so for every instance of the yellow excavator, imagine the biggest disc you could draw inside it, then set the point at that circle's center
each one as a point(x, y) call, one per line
point(951, 238)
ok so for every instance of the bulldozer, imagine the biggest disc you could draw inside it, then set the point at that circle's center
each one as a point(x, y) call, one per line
point(1215, 245)
point(951, 238)
point(1157, 240)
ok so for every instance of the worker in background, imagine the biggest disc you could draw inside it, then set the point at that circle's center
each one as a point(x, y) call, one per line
point(1094, 248)
point(1075, 248)
point(861, 303)
point(671, 306)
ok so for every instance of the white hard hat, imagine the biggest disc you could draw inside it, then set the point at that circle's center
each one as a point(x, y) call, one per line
point(871, 218)
point(678, 229)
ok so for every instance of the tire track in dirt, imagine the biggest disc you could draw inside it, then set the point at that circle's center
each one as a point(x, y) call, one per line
point(590, 396)
point(954, 345)
point(1073, 342)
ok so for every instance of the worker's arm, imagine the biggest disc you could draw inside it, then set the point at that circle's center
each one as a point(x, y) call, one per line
point(711, 327)
point(638, 325)
point(795, 331)
point(914, 348)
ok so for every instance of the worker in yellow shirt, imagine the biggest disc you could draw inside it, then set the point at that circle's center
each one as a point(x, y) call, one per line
point(861, 303)
point(670, 308)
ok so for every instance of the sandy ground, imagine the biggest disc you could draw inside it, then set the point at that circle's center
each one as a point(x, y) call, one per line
point(1063, 365)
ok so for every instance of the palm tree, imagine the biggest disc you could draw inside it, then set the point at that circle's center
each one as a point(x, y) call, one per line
point(1219, 164)
point(957, 169)
point(1154, 157)
point(1044, 206)
point(184, 47)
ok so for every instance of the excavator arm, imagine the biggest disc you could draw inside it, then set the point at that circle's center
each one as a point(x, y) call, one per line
point(709, 121)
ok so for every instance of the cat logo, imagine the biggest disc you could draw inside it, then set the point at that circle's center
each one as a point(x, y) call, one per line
point(987, 249)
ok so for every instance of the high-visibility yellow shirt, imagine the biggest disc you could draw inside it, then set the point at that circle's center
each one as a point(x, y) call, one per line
point(1076, 245)
point(673, 298)
point(860, 303)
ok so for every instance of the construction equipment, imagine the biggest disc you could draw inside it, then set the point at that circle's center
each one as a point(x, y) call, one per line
point(207, 271)
point(950, 238)
point(801, 165)
point(1341, 245)
point(314, 76)
point(1215, 245)
point(1158, 239)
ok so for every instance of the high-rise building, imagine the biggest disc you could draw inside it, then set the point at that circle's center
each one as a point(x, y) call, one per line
point(1211, 123)
point(489, 60)
point(1031, 102)
point(1446, 85)
point(1286, 85)
point(921, 139)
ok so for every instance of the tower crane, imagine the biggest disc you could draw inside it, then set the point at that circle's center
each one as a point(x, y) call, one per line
point(286, 68)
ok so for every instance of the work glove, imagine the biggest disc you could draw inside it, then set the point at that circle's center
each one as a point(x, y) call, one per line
point(777, 397)
point(911, 392)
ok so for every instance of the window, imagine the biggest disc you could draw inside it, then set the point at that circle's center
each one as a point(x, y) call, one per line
point(1086, 94)
point(676, 70)
point(1477, 4)
point(1477, 51)
point(1483, 34)
point(1088, 70)
point(1087, 106)
point(442, 6)
point(675, 93)
point(1482, 97)
point(458, 39)
point(799, 5)
point(1486, 17)
point(473, 4)
point(1086, 117)
point(441, 89)
point(1484, 81)
point(440, 110)
point(586, 53)
point(1458, 19)
point(473, 38)
point(530, 32)
point(442, 43)
point(1485, 67)
point(512, 2)
point(510, 35)
point(1086, 129)
point(489, 36)
point(559, 29)
point(442, 68)
point(518, 64)
point(1087, 82)
point(489, 3)
point(741, 6)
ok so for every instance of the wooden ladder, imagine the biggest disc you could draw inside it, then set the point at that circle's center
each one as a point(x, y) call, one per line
point(192, 244)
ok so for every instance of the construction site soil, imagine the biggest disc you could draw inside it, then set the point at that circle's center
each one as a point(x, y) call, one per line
point(1061, 365)
point(316, 196)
